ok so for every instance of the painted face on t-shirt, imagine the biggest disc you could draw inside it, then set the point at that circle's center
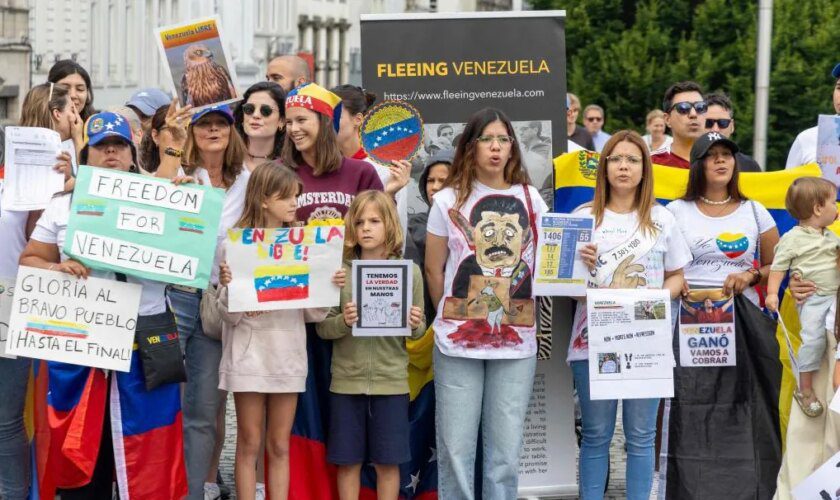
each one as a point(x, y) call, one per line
point(498, 240)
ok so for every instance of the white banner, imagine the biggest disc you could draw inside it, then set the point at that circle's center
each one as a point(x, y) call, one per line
point(283, 268)
point(88, 322)
point(707, 329)
point(630, 353)
point(560, 270)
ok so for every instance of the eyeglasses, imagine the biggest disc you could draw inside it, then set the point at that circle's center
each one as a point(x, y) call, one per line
point(721, 122)
point(594, 119)
point(684, 107)
point(265, 109)
point(504, 140)
point(631, 160)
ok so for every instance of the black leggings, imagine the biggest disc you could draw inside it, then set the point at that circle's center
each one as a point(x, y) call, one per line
point(100, 486)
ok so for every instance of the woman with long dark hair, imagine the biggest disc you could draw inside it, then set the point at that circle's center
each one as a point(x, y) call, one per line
point(261, 121)
point(76, 80)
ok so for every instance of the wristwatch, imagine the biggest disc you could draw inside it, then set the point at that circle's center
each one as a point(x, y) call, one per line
point(177, 153)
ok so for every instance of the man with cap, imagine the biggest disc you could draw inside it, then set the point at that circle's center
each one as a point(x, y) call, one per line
point(145, 102)
point(804, 149)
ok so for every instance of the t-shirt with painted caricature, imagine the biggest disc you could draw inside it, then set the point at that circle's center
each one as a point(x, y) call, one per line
point(721, 246)
point(669, 253)
point(488, 307)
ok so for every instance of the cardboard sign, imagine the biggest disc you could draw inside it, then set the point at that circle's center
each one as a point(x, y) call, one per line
point(283, 268)
point(144, 226)
point(707, 329)
point(382, 292)
point(88, 322)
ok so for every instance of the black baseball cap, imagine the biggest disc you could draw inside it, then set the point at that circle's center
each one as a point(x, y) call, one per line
point(836, 71)
point(701, 146)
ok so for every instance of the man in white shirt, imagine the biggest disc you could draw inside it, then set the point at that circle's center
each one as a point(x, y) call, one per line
point(804, 149)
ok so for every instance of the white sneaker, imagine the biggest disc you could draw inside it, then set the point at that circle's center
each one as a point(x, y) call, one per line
point(260, 491)
point(212, 492)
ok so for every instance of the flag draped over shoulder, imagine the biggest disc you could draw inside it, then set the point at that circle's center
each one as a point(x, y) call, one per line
point(758, 395)
point(312, 478)
point(69, 411)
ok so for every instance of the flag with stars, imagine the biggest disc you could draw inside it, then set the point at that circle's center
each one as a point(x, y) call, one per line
point(392, 130)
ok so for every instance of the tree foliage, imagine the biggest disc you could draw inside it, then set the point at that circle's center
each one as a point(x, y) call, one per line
point(623, 54)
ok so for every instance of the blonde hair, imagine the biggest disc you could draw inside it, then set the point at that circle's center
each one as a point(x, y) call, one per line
point(40, 102)
point(807, 192)
point(393, 231)
point(653, 115)
point(268, 179)
point(573, 100)
point(644, 200)
point(232, 162)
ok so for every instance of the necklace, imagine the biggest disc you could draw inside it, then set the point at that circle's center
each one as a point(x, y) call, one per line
point(712, 202)
point(255, 157)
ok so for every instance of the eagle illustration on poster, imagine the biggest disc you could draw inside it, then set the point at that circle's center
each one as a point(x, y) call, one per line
point(204, 81)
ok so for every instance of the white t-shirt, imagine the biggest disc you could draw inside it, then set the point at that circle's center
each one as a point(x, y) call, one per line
point(52, 229)
point(231, 210)
point(13, 236)
point(804, 148)
point(665, 146)
point(669, 253)
point(721, 246)
point(488, 309)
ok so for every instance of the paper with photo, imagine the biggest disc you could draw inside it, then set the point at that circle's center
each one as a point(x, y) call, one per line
point(630, 353)
point(560, 270)
point(7, 290)
point(382, 292)
point(707, 329)
point(30, 176)
point(201, 70)
point(88, 322)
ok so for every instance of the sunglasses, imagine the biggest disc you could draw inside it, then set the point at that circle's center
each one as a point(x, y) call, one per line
point(265, 109)
point(721, 122)
point(684, 107)
point(594, 119)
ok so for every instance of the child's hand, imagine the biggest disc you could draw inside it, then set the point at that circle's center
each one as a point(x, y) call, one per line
point(350, 315)
point(589, 255)
point(415, 317)
point(339, 278)
point(772, 302)
point(224, 274)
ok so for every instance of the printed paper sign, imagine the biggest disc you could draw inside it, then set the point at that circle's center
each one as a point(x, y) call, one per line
point(828, 147)
point(630, 353)
point(30, 176)
point(7, 290)
point(560, 270)
point(144, 226)
point(283, 268)
point(707, 329)
point(824, 484)
point(194, 54)
point(382, 292)
point(88, 322)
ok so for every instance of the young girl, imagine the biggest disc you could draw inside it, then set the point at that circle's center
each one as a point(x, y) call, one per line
point(264, 353)
point(810, 250)
point(369, 389)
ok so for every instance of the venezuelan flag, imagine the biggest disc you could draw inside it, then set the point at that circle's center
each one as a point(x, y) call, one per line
point(394, 133)
point(281, 282)
point(56, 328)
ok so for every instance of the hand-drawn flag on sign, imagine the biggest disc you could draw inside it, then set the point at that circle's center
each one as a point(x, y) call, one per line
point(392, 130)
point(281, 282)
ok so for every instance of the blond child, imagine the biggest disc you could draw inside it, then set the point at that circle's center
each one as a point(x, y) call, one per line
point(809, 250)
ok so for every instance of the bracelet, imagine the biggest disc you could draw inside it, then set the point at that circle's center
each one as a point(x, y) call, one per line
point(756, 276)
point(177, 153)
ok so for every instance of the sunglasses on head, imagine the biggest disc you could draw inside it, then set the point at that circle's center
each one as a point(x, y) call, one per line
point(684, 107)
point(721, 122)
point(265, 109)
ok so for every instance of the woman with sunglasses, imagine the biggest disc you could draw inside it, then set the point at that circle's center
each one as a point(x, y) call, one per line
point(636, 244)
point(684, 110)
point(260, 120)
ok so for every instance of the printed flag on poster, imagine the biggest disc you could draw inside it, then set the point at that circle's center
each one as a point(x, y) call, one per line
point(144, 226)
point(201, 70)
point(283, 268)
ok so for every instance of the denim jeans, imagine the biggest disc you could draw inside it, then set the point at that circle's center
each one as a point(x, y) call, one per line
point(201, 396)
point(598, 419)
point(494, 395)
point(14, 447)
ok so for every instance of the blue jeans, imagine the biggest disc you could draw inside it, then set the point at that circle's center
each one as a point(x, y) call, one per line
point(14, 446)
point(201, 396)
point(494, 395)
point(598, 419)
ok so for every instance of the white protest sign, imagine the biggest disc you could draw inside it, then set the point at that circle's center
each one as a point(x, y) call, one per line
point(828, 147)
point(630, 353)
point(824, 483)
point(31, 179)
point(88, 322)
point(560, 270)
point(707, 329)
point(835, 402)
point(7, 289)
point(382, 292)
point(283, 268)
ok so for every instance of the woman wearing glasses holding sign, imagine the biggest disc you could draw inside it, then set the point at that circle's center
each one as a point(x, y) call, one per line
point(636, 244)
point(479, 268)
point(260, 120)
